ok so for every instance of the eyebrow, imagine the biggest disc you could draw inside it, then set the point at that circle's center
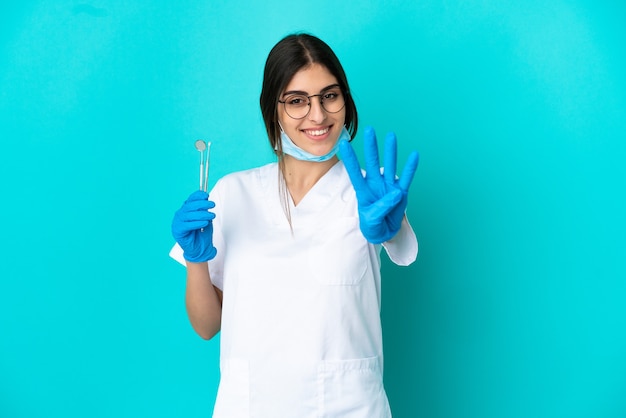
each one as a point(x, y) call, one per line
point(304, 93)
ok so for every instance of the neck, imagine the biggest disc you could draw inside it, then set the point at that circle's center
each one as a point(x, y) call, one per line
point(301, 176)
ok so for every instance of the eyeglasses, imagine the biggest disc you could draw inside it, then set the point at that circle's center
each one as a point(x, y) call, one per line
point(298, 106)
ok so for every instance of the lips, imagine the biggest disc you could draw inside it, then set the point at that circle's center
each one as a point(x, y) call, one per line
point(316, 132)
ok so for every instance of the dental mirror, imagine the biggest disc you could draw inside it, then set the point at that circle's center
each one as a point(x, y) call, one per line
point(201, 147)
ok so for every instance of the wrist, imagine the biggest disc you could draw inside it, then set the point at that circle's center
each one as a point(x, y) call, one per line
point(206, 255)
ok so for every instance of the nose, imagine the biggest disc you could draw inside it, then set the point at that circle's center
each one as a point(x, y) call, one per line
point(317, 114)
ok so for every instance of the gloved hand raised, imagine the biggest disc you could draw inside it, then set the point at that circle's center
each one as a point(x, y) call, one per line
point(382, 198)
point(192, 228)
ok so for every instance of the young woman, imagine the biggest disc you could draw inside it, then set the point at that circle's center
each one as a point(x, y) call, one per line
point(284, 258)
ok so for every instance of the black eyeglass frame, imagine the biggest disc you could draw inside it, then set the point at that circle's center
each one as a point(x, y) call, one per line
point(320, 95)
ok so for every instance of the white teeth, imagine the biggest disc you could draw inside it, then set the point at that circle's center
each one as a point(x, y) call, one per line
point(318, 132)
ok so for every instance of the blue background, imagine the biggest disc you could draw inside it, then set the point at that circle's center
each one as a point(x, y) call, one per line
point(516, 306)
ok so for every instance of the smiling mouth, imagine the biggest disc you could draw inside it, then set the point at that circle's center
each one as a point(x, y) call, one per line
point(316, 132)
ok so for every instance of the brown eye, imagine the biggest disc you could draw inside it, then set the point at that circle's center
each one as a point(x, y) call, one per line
point(330, 96)
point(297, 101)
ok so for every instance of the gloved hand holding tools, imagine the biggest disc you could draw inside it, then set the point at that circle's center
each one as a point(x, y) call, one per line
point(192, 228)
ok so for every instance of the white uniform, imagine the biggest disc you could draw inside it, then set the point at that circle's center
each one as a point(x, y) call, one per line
point(301, 334)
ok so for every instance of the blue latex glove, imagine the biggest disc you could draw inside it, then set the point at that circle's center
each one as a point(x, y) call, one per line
point(382, 198)
point(192, 228)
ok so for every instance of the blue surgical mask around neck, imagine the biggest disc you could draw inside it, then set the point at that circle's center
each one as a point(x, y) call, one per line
point(290, 148)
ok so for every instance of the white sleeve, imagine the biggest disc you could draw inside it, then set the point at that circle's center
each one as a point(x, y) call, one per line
point(177, 254)
point(402, 248)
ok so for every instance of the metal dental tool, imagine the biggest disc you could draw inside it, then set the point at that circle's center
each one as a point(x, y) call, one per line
point(201, 146)
point(207, 163)
point(205, 151)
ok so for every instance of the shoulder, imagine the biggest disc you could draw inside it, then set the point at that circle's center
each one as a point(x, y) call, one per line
point(342, 177)
point(257, 178)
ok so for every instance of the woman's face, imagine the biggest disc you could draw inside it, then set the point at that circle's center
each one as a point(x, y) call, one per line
point(318, 131)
